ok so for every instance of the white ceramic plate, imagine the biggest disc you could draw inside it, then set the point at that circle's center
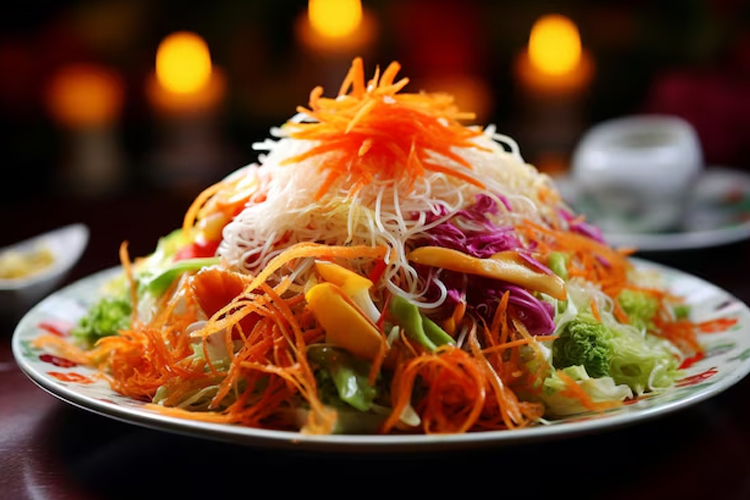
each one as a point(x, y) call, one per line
point(718, 213)
point(726, 362)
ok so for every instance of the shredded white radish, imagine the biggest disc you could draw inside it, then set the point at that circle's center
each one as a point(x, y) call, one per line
point(383, 212)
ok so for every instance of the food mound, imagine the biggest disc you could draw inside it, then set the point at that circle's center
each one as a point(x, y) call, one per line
point(383, 268)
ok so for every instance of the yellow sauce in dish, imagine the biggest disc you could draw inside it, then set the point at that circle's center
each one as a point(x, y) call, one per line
point(16, 264)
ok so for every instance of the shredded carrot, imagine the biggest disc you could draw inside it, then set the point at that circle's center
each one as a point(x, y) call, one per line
point(192, 212)
point(127, 267)
point(573, 390)
point(317, 250)
point(716, 325)
point(501, 321)
point(204, 416)
point(273, 355)
point(620, 313)
point(548, 196)
point(682, 334)
point(508, 409)
point(595, 310)
point(372, 131)
point(519, 342)
point(63, 348)
point(451, 323)
point(377, 362)
point(593, 261)
point(226, 197)
point(456, 396)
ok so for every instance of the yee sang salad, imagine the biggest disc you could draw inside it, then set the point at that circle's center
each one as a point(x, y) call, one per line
point(383, 268)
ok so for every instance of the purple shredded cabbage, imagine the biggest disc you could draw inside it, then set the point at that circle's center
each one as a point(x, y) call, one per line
point(482, 295)
point(532, 262)
point(483, 242)
point(583, 228)
point(536, 315)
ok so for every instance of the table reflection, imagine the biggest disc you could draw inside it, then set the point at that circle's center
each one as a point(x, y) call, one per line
point(690, 60)
point(71, 453)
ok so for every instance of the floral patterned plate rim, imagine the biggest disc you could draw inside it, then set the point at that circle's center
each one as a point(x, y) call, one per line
point(717, 213)
point(726, 362)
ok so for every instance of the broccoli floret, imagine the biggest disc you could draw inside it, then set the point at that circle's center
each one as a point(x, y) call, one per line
point(106, 317)
point(641, 361)
point(584, 342)
point(640, 308)
point(681, 311)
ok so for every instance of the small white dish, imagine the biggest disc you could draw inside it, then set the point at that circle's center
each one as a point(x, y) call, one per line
point(66, 246)
point(638, 170)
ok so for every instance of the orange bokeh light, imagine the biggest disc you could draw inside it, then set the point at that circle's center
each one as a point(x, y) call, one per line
point(183, 63)
point(185, 80)
point(554, 44)
point(555, 61)
point(335, 18)
point(85, 95)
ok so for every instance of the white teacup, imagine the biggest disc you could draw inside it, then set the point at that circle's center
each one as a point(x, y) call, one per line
point(635, 173)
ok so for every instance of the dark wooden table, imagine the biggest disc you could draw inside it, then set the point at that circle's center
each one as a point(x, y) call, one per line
point(52, 450)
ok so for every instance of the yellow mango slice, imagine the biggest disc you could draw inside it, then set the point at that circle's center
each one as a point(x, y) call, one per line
point(349, 281)
point(506, 266)
point(345, 325)
point(357, 287)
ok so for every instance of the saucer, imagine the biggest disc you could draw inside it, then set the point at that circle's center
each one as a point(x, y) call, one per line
point(717, 213)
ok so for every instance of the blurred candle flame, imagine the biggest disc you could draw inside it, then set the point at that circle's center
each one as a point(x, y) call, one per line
point(555, 62)
point(85, 95)
point(183, 63)
point(335, 18)
point(185, 80)
point(336, 28)
point(554, 44)
point(553, 73)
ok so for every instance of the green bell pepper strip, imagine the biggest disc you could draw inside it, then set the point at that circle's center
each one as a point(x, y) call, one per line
point(157, 284)
point(557, 262)
point(417, 326)
point(349, 375)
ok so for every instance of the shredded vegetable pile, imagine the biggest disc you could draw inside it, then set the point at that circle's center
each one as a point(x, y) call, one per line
point(383, 268)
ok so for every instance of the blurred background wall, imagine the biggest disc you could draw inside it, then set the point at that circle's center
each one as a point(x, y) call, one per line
point(78, 119)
